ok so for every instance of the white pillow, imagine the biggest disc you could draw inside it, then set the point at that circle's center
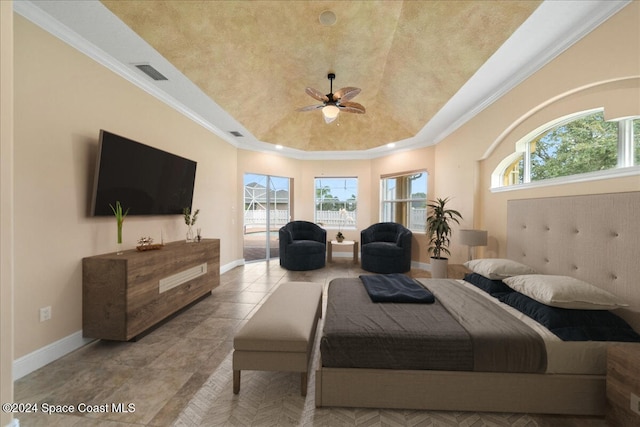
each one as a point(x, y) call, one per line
point(564, 292)
point(498, 268)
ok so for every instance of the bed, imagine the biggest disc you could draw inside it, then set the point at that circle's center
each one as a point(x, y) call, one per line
point(586, 237)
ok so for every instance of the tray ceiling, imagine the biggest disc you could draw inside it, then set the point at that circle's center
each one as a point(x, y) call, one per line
point(424, 67)
point(255, 59)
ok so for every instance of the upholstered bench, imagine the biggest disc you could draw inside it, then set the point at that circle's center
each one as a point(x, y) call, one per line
point(280, 335)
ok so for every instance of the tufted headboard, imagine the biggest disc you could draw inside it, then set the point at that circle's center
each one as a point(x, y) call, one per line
point(595, 238)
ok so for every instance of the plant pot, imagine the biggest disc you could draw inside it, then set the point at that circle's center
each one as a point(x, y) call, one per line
point(439, 268)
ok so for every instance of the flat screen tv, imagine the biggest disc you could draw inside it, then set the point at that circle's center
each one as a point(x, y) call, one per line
point(145, 180)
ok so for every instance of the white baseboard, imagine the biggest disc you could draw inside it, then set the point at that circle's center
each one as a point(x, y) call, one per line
point(421, 265)
point(47, 354)
point(231, 265)
point(337, 254)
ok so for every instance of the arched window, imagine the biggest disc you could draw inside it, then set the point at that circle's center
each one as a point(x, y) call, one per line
point(578, 144)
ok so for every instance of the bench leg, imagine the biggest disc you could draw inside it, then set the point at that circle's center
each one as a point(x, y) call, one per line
point(236, 381)
point(303, 383)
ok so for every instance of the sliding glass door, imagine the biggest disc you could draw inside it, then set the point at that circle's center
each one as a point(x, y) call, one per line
point(266, 209)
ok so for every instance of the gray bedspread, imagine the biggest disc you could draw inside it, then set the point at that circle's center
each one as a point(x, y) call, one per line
point(461, 331)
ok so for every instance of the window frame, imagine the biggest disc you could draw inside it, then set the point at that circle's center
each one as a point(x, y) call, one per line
point(346, 220)
point(626, 163)
point(406, 201)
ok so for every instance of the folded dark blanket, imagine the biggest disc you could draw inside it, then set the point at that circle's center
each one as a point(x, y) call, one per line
point(395, 288)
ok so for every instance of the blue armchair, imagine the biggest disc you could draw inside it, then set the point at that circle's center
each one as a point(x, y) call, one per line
point(303, 246)
point(386, 248)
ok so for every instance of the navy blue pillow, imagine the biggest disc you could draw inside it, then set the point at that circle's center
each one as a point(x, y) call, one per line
point(573, 325)
point(495, 288)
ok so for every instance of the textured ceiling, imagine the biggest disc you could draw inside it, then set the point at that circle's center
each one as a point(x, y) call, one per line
point(255, 59)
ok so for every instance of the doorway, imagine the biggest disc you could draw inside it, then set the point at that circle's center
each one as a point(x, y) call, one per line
point(266, 209)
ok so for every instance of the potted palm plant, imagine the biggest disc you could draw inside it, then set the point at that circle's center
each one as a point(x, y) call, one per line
point(439, 222)
point(120, 216)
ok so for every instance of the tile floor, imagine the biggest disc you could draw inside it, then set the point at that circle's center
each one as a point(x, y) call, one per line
point(161, 371)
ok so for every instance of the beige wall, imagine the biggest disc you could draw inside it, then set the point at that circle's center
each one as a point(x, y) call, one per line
point(602, 70)
point(407, 161)
point(62, 99)
point(368, 172)
point(303, 173)
point(6, 207)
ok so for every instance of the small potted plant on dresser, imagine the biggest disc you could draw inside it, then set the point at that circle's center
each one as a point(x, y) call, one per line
point(439, 222)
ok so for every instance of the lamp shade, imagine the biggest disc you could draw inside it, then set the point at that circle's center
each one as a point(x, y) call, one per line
point(473, 237)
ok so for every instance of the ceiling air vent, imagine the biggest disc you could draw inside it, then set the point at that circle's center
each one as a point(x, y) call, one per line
point(236, 133)
point(150, 71)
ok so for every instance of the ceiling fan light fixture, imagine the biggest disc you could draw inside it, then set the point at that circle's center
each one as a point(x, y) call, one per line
point(330, 113)
point(332, 103)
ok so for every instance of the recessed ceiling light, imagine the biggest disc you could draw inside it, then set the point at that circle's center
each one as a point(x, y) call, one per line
point(279, 147)
point(391, 145)
point(236, 133)
point(328, 18)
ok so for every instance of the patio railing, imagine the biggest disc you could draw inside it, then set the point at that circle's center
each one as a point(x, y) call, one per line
point(256, 219)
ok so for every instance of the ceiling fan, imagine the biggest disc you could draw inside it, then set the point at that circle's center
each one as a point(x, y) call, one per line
point(333, 103)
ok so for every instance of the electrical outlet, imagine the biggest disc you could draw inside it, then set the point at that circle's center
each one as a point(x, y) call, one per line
point(45, 313)
point(635, 403)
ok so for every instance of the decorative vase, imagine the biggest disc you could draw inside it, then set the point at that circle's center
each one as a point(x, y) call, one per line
point(339, 239)
point(439, 268)
point(120, 216)
point(190, 237)
point(119, 241)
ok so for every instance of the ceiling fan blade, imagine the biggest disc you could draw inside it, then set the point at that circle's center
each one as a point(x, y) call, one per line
point(314, 93)
point(346, 93)
point(352, 107)
point(311, 107)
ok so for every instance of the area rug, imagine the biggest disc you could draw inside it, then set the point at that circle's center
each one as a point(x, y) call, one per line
point(273, 399)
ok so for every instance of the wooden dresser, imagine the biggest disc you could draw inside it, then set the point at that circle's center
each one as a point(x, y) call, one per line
point(623, 380)
point(124, 295)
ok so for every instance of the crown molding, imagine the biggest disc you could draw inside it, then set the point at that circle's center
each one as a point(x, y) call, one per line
point(554, 27)
point(522, 55)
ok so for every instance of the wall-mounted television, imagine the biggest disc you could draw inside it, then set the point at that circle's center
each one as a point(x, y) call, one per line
point(144, 179)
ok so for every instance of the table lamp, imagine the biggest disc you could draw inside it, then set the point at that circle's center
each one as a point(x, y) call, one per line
point(473, 238)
